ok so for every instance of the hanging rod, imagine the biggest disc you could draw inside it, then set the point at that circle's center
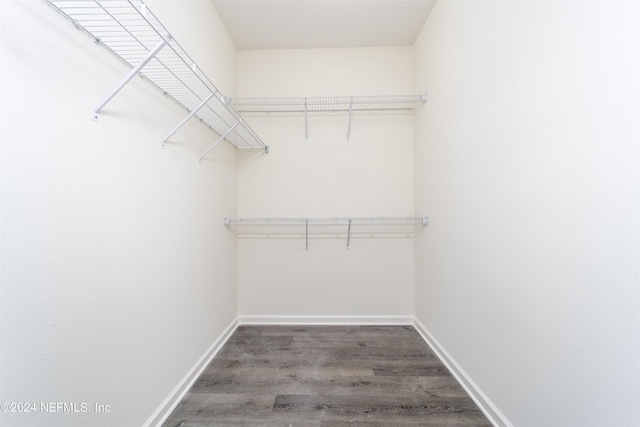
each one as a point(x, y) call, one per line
point(326, 227)
point(129, 30)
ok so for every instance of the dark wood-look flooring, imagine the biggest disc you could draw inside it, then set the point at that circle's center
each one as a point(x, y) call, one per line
point(326, 376)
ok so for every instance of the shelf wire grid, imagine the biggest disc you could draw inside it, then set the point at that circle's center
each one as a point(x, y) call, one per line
point(380, 220)
point(130, 31)
point(326, 227)
point(327, 104)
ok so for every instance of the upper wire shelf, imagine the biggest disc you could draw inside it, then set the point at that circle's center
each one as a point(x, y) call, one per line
point(327, 104)
point(134, 34)
point(332, 104)
point(355, 220)
point(326, 227)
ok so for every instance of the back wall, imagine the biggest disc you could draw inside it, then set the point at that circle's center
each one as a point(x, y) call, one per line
point(372, 175)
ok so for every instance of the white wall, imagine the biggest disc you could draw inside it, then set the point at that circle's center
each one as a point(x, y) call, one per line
point(116, 275)
point(370, 176)
point(526, 160)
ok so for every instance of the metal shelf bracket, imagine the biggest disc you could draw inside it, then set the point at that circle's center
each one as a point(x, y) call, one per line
point(186, 119)
point(306, 123)
point(306, 234)
point(219, 140)
point(349, 122)
point(135, 70)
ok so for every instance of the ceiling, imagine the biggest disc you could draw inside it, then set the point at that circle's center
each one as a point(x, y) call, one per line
point(303, 24)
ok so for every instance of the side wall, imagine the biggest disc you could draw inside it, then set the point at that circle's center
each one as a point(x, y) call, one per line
point(526, 160)
point(372, 175)
point(116, 277)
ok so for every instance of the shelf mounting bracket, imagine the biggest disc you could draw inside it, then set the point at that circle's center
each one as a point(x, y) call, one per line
point(349, 122)
point(135, 70)
point(306, 234)
point(306, 123)
point(349, 234)
point(186, 119)
point(220, 140)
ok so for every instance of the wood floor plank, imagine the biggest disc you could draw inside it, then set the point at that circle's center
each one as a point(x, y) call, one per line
point(311, 383)
point(381, 403)
point(404, 423)
point(203, 407)
point(289, 366)
point(422, 371)
point(326, 376)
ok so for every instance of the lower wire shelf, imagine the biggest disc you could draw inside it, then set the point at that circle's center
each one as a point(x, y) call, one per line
point(326, 227)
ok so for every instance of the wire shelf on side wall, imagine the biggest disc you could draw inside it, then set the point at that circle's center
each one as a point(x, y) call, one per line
point(129, 30)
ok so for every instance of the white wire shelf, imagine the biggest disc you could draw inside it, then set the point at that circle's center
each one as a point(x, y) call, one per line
point(331, 104)
point(326, 227)
point(327, 104)
point(134, 34)
point(368, 220)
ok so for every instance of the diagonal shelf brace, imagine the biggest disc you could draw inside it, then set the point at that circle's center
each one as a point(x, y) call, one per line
point(186, 119)
point(349, 234)
point(220, 139)
point(135, 70)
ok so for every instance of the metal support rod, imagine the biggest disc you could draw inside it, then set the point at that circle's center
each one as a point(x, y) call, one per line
point(186, 119)
point(306, 124)
point(135, 70)
point(306, 234)
point(220, 139)
point(349, 122)
point(349, 234)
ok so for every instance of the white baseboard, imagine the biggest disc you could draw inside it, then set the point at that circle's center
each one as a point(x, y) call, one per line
point(486, 406)
point(325, 320)
point(173, 399)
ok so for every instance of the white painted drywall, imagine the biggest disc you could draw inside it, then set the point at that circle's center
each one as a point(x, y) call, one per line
point(526, 160)
point(116, 272)
point(370, 176)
